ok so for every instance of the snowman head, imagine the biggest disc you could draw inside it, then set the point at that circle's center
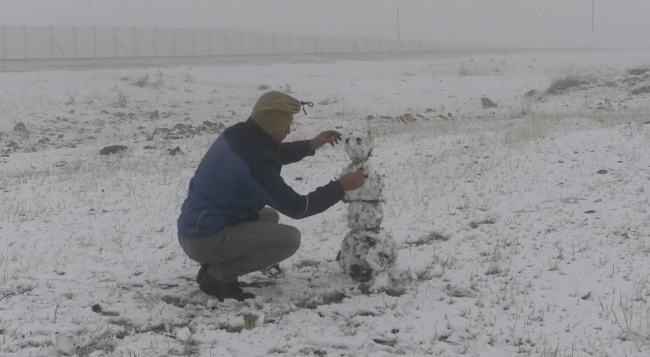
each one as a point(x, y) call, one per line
point(359, 145)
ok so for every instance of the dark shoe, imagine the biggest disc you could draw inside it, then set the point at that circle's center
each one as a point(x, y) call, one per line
point(202, 272)
point(240, 295)
point(223, 290)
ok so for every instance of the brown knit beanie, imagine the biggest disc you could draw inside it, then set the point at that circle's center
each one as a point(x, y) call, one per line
point(274, 111)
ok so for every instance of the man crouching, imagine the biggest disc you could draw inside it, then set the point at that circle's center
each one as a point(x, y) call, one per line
point(224, 222)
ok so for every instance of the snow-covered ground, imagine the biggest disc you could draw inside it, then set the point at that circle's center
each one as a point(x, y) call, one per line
point(522, 229)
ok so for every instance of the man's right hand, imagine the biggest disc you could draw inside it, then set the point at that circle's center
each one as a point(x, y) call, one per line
point(353, 181)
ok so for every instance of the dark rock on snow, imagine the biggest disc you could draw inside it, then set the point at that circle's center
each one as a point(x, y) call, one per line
point(406, 118)
point(531, 93)
point(641, 90)
point(487, 103)
point(638, 71)
point(177, 150)
point(13, 145)
point(217, 127)
point(113, 149)
point(159, 131)
point(21, 128)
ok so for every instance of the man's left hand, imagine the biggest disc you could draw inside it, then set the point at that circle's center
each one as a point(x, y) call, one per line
point(327, 137)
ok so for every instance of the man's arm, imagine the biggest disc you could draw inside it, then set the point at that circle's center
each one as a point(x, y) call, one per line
point(298, 150)
point(282, 197)
point(295, 151)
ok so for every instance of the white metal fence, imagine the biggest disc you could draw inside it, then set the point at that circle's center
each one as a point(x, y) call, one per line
point(55, 42)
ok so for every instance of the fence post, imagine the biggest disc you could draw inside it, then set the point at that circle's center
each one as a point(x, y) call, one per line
point(25, 40)
point(192, 42)
point(242, 42)
point(74, 40)
point(51, 43)
point(174, 41)
point(114, 42)
point(225, 42)
point(135, 41)
point(4, 43)
point(273, 40)
point(209, 39)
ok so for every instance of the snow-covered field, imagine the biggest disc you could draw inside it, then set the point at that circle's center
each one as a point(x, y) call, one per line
point(523, 229)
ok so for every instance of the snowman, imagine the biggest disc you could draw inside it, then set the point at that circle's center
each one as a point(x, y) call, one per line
point(367, 252)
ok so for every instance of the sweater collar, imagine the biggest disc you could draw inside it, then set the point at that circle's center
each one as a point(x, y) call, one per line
point(260, 134)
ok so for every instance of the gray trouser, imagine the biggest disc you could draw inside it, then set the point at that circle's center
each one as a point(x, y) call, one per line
point(246, 247)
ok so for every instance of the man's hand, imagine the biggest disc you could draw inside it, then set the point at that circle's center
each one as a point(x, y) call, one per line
point(353, 181)
point(326, 137)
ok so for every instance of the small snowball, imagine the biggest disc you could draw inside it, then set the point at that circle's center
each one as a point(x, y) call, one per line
point(359, 145)
point(221, 351)
point(260, 319)
point(183, 334)
point(69, 344)
point(364, 215)
point(381, 281)
point(212, 303)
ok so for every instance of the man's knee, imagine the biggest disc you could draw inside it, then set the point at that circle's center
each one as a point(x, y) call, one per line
point(293, 239)
point(275, 216)
point(268, 214)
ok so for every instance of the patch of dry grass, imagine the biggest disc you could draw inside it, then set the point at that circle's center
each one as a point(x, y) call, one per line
point(312, 302)
point(565, 83)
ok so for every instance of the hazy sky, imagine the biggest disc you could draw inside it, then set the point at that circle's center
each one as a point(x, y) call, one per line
point(510, 23)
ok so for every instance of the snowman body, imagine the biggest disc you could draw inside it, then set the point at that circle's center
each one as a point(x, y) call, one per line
point(368, 252)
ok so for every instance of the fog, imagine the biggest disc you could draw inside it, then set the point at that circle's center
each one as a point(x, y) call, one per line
point(500, 23)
